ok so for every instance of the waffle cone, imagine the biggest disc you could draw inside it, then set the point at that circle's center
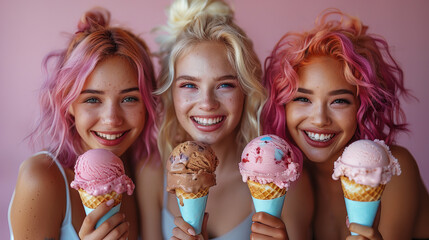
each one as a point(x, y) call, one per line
point(92, 202)
point(359, 192)
point(189, 195)
point(265, 191)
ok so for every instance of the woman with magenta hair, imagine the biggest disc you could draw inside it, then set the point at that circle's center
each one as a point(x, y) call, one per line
point(97, 94)
point(327, 88)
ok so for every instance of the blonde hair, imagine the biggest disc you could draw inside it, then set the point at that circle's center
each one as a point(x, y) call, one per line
point(194, 21)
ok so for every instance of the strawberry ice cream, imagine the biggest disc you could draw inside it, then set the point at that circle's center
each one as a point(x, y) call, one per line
point(367, 162)
point(269, 158)
point(99, 171)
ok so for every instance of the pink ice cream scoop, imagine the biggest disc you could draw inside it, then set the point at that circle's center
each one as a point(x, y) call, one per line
point(270, 159)
point(99, 171)
point(367, 162)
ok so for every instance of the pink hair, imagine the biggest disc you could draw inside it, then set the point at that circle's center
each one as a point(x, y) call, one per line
point(367, 63)
point(94, 42)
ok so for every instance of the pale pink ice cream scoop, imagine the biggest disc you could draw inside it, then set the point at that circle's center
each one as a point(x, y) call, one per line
point(367, 162)
point(99, 171)
point(269, 158)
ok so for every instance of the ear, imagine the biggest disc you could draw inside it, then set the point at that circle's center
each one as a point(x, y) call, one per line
point(71, 110)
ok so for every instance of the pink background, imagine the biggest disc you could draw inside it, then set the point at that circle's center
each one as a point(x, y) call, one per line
point(30, 29)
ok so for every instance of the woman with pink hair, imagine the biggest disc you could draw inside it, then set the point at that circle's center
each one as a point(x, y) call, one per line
point(97, 94)
point(327, 88)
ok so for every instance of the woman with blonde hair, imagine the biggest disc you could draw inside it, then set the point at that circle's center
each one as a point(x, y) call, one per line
point(211, 91)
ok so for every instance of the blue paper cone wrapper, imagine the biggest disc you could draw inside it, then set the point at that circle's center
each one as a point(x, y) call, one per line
point(270, 206)
point(361, 212)
point(193, 211)
point(110, 213)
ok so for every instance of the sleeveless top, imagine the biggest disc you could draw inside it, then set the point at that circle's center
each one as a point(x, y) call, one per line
point(241, 231)
point(67, 230)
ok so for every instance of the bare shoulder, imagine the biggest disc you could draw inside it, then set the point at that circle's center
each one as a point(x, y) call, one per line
point(40, 173)
point(402, 190)
point(39, 197)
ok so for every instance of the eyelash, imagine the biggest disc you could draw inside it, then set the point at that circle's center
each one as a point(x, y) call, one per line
point(92, 100)
point(301, 99)
point(336, 101)
point(341, 101)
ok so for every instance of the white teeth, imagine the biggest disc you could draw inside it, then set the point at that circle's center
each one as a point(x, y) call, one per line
point(319, 137)
point(109, 136)
point(207, 121)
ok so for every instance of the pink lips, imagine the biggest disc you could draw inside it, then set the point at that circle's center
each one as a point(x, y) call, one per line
point(318, 144)
point(107, 142)
point(209, 128)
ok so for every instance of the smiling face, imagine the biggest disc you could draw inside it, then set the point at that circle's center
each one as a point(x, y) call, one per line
point(109, 113)
point(321, 117)
point(207, 96)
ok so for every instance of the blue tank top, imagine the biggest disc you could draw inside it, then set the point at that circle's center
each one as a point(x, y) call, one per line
point(241, 231)
point(67, 230)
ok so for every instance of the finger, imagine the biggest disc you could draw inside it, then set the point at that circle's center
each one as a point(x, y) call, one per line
point(184, 226)
point(111, 223)
point(88, 224)
point(260, 229)
point(119, 232)
point(180, 234)
point(257, 236)
point(268, 220)
point(368, 232)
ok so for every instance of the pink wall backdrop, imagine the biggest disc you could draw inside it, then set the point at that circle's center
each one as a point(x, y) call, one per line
point(30, 29)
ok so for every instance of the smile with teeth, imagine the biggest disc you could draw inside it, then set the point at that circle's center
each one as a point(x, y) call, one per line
point(109, 136)
point(207, 121)
point(319, 137)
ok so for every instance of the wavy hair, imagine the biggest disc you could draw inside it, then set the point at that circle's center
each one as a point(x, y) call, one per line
point(367, 64)
point(194, 21)
point(66, 72)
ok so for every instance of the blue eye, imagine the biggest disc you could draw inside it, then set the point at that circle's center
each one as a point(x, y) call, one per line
point(92, 100)
point(301, 99)
point(227, 85)
point(130, 99)
point(188, 85)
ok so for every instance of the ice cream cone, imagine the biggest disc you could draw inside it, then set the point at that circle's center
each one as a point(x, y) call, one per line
point(359, 192)
point(362, 201)
point(91, 202)
point(192, 207)
point(267, 198)
point(265, 191)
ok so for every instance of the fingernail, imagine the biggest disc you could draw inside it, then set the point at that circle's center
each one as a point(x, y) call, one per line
point(110, 202)
point(347, 222)
point(191, 231)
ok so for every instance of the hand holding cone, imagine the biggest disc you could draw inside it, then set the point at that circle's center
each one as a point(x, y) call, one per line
point(99, 177)
point(190, 174)
point(364, 169)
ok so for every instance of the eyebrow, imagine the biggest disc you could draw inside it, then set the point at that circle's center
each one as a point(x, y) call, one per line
point(332, 93)
point(92, 91)
point(190, 78)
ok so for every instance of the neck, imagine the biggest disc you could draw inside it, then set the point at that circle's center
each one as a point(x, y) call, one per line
point(228, 154)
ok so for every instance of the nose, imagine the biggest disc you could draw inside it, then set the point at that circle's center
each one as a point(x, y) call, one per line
point(320, 115)
point(112, 115)
point(208, 100)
